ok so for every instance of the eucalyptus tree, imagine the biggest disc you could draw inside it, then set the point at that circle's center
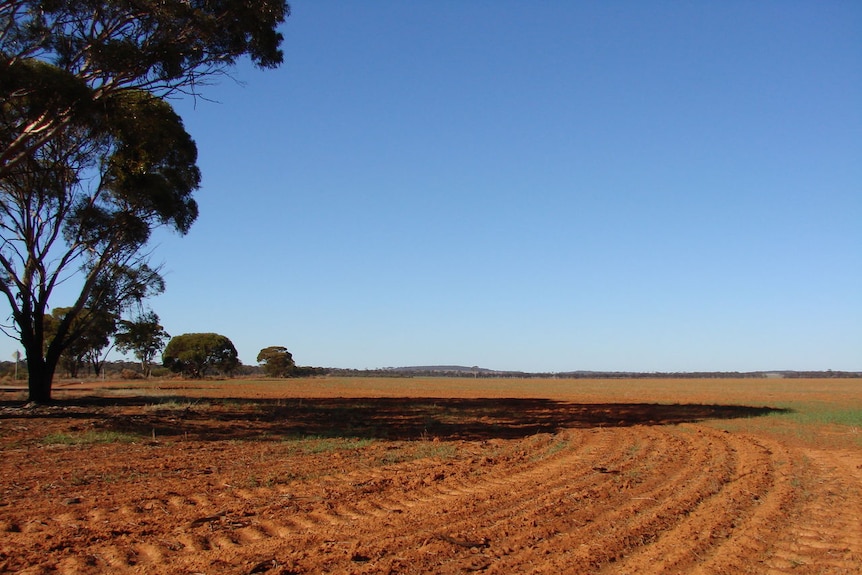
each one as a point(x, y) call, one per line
point(197, 354)
point(144, 336)
point(80, 212)
point(93, 157)
point(92, 331)
point(276, 361)
point(100, 47)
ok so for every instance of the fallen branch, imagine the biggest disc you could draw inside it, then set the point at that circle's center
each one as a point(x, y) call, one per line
point(209, 519)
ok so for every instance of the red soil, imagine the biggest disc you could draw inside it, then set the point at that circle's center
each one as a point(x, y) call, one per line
point(258, 482)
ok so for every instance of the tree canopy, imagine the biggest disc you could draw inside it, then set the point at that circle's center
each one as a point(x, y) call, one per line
point(276, 361)
point(143, 336)
point(197, 354)
point(100, 47)
point(83, 207)
point(92, 157)
point(91, 332)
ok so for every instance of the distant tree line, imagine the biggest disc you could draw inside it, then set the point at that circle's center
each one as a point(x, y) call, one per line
point(193, 355)
point(199, 355)
point(91, 336)
point(125, 369)
point(490, 374)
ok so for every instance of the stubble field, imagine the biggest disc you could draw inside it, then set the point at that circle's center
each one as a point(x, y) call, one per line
point(434, 476)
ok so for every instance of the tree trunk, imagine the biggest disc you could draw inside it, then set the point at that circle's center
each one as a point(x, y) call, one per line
point(41, 377)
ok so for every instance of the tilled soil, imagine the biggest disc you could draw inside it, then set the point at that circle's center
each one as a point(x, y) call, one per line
point(417, 486)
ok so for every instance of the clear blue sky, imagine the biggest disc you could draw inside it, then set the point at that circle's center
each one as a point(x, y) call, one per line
point(537, 186)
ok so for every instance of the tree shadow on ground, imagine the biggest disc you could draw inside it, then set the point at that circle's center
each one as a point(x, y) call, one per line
point(379, 418)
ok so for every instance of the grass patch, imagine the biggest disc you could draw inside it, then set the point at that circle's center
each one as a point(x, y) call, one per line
point(820, 414)
point(435, 450)
point(825, 424)
point(557, 446)
point(545, 446)
point(89, 438)
point(175, 405)
point(318, 444)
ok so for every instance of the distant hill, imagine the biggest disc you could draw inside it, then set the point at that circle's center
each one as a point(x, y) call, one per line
point(444, 368)
point(475, 371)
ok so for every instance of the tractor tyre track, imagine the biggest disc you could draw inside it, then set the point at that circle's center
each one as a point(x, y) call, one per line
point(639, 500)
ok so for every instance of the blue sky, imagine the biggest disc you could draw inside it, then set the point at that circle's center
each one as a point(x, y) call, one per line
point(537, 186)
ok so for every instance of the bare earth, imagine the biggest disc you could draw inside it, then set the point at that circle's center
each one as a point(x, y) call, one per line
point(352, 476)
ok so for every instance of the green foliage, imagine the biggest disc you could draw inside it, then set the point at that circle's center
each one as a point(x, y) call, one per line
point(89, 334)
point(152, 165)
point(92, 157)
point(196, 354)
point(144, 337)
point(161, 46)
point(59, 222)
point(276, 361)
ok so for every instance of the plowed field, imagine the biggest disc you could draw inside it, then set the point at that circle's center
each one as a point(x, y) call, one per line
point(448, 476)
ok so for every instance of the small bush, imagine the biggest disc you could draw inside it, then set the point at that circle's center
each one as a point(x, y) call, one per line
point(131, 374)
